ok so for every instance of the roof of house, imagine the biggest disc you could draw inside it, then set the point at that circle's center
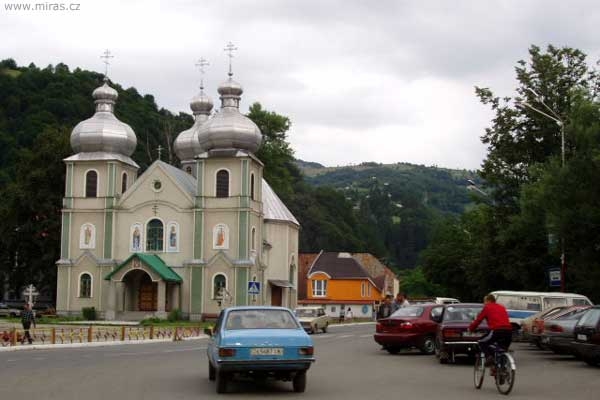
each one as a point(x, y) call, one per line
point(305, 261)
point(339, 266)
point(155, 263)
point(185, 180)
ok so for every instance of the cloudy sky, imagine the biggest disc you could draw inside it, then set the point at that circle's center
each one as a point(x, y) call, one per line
point(385, 81)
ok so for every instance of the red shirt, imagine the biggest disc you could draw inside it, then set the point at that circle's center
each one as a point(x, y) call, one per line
point(496, 315)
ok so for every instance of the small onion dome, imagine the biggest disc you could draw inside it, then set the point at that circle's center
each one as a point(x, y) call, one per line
point(103, 132)
point(186, 145)
point(201, 103)
point(229, 128)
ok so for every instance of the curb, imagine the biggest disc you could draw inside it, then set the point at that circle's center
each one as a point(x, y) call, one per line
point(352, 324)
point(92, 344)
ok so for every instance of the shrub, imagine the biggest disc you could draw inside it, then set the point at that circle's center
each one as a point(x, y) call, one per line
point(89, 313)
point(174, 315)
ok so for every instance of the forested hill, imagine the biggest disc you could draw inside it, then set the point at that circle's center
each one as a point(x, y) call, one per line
point(440, 188)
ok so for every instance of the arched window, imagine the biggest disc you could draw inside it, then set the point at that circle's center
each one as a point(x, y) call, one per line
point(123, 182)
point(293, 271)
point(154, 235)
point(253, 239)
point(85, 285)
point(188, 170)
point(222, 183)
point(252, 186)
point(91, 184)
point(219, 286)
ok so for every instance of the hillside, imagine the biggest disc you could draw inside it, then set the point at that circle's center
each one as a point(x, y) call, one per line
point(442, 189)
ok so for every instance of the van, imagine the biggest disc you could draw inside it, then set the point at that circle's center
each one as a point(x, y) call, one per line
point(521, 305)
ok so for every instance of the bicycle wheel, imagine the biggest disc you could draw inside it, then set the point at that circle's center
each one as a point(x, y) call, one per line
point(479, 370)
point(505, 373)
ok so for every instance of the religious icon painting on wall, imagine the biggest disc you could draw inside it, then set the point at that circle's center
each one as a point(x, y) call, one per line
point(221, 237)
point(87, 237)
point(136, 238)
point(173, 236)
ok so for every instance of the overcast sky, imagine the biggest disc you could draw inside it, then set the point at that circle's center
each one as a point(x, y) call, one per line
point(385, 81)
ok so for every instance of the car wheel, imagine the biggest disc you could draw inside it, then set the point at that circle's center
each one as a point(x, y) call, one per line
point(428, 346)
point(212, 372)
point(221, 378)
point(299, 382)
point(393, 350)
point(325, 328)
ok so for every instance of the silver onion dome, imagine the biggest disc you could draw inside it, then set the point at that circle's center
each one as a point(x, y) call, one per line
point(103, 132)
point(229, 128)
point(187, 145)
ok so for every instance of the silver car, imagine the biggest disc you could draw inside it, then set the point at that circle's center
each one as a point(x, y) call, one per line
point(6, 311)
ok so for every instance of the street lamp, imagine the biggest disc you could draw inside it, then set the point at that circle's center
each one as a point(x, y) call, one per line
point(551, 114)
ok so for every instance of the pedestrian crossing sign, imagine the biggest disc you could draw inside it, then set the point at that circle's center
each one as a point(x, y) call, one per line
point(253, 287)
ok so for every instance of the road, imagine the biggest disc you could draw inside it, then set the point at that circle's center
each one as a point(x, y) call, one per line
point(349, 366)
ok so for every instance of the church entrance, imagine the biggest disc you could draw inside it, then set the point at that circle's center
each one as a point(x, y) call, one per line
point(276, 295)
point(141, 294)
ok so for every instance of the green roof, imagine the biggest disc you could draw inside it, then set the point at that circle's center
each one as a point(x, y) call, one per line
point(155, 263)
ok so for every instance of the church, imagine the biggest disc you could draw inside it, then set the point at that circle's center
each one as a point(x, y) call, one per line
point(205, 235)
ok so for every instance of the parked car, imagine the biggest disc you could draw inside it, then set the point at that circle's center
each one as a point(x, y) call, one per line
point(259, 342)
point(453, 336)
point(412, 326)
point(312, 319)
point(436, 300)
point(7, 311)
point(536, 322)
point(558, 332)
point(587, 336)
point(538, 327)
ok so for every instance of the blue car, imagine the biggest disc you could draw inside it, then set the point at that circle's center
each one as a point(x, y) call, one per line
point(259, 342)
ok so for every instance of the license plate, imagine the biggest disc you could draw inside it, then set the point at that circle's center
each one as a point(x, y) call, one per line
point(266, 351)
point(471, 334)
point(582, 337)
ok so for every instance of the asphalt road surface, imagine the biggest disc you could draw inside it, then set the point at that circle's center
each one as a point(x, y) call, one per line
point(350, 365)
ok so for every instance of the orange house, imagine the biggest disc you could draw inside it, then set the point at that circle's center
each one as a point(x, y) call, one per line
point(339, 282)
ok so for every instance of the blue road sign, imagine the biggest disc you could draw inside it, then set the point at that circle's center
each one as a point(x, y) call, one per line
point(253, 287)
point(554, 276)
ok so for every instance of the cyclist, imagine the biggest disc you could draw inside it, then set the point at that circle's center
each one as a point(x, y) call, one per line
point(499, 324)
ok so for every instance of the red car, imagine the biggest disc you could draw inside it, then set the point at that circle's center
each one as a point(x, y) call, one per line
point(412, 326)
point(453, 336)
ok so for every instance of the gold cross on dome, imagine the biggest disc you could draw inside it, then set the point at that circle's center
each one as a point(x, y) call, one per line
point(106, 56)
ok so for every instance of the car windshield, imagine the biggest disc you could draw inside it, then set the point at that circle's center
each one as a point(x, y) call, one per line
point(260, 319)
point(410, 311)
point(306, 313)
point(466, 314)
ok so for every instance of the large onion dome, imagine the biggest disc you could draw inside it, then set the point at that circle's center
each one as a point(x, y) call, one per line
point(229, 129)
point(104, 132)
point(187, 145)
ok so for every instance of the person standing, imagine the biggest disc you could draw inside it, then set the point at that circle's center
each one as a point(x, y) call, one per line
point(349, 315)
point(400, 301)
point(386, 309)
point(342, 314)
point(27, 319)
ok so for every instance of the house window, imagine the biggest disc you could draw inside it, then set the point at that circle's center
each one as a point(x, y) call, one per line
point(188, 170)
point(222, 183)
point(85, 285)
point(253, 239)
point(319, 288)
point(363, 289)
point(124, 182)
point(154, 235)
point(252, 186)
point(219, 286)
point(91, 184)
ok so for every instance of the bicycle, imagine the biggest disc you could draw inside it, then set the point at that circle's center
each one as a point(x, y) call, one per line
point(505, 369)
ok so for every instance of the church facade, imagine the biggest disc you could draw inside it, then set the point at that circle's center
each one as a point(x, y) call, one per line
point(205, 235)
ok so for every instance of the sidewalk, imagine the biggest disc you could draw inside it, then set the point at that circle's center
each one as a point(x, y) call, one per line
point(93, 344)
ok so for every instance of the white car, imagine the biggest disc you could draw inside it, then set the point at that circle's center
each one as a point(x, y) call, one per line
point(312, 319)
point(6, 311)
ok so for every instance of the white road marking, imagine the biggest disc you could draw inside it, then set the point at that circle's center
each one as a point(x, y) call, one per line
point(369, 335)
point(345, 336)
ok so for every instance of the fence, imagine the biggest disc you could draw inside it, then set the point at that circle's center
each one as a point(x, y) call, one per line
point(90, 334)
